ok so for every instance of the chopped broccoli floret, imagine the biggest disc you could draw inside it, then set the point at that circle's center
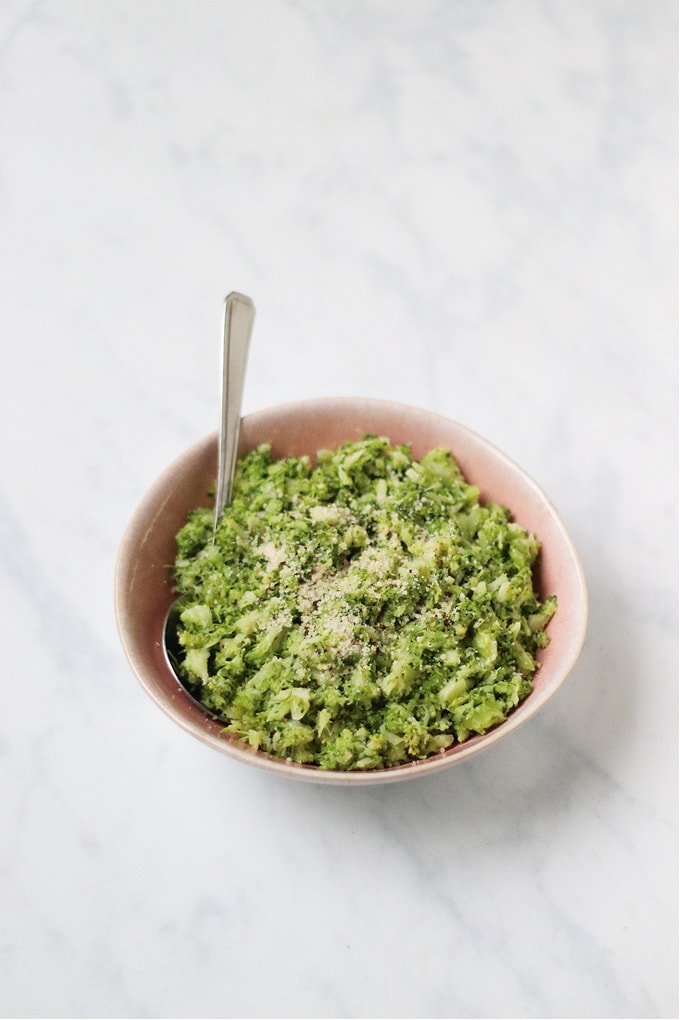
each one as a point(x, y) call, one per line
point(359, 612)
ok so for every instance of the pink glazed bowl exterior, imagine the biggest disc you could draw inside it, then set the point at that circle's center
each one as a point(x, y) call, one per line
point(144, 586)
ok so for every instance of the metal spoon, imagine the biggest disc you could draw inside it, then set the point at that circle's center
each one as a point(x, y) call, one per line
point(239, 315)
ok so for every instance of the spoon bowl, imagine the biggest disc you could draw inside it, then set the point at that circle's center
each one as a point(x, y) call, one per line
point(144, 589)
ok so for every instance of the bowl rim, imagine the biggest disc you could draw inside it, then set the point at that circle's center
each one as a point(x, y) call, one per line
point(156, 497)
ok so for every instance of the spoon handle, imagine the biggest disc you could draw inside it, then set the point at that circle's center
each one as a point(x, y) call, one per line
point(239, 315)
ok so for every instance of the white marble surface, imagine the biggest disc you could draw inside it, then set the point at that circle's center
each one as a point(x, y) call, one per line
point(468, 206)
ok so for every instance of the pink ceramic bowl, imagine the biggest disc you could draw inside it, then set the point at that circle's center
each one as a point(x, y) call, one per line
point(144, 587)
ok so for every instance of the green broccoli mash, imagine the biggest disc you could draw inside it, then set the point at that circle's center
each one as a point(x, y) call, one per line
point(361, 612)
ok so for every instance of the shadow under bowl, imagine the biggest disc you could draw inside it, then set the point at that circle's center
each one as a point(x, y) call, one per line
point(144, 585)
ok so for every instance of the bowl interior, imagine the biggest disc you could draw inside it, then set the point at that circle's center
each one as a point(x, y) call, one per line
point(144, 589)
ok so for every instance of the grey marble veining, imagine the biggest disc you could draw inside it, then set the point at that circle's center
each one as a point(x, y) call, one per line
point(471, 207)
